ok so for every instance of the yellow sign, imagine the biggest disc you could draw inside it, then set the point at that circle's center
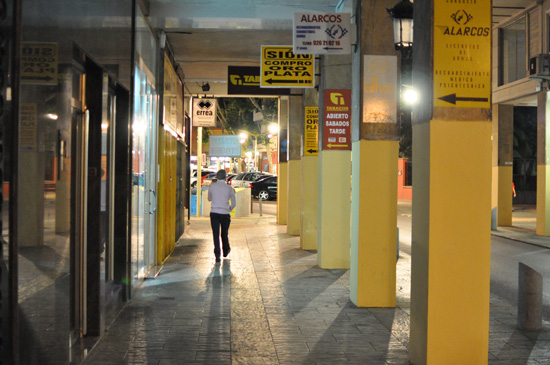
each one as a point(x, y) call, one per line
point(282, 68)
point(462, 54)
point(39, 63)
point(311, 135)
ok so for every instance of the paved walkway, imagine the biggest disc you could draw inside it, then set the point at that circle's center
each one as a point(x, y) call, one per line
point(269, 303)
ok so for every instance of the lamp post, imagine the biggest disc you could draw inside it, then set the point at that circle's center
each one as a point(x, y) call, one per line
point(402, 15)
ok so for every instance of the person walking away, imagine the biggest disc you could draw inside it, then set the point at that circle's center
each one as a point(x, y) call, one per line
point(223, 201)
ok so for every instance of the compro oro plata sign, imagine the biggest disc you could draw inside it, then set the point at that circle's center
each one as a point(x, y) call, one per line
point(280, 67)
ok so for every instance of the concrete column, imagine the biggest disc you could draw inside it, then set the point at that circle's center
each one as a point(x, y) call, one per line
point(503, 140)
point(375, 156)
point(295, 121)
point(282, 167)
point(452, 153)
point(310, 173)
point(543, 164)
point(333, 233)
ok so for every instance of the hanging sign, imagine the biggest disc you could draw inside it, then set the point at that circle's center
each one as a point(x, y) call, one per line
point(311, 135)
point(322, 33)
point(245, 80)
point(224, 146)
point(204, 112)
point(280, 67)
point(462, 54)
point(337, 123)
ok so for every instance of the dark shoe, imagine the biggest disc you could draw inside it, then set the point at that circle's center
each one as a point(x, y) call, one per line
point(218, 259)
point(225, 253)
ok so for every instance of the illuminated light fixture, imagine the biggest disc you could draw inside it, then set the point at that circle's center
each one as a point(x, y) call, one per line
point(52, 116)
point(273, 128)
point(410, 96)
point(402, 15)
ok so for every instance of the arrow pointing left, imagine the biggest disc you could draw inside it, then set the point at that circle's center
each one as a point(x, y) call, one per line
point(452, 98)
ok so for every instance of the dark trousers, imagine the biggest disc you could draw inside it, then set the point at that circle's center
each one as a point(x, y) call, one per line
point(223, 221)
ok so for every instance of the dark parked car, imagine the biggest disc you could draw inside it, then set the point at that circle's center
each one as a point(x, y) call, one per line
point(265, 188)
point(245, 178)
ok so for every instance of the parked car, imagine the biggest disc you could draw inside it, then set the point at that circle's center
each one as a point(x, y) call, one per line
point(209, 179)
point(229, 177)
point(265, 188)
point(204, 173)
point(245, 178)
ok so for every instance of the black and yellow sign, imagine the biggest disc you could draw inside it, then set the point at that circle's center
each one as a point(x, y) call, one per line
point(311, 135)
point(245, 80)
point(282, 68)
point(39, 63)
point(462, 54)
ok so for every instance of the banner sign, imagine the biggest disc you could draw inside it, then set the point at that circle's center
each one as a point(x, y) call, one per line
point(322, 33)
point(224, 146)
point(280, 67)
point(204, 112)
point(311, 135)
point(337, 123)
point(380, 91)
point(245, 80)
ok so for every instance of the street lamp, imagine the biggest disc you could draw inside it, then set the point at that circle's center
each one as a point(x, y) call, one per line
point(402, 15)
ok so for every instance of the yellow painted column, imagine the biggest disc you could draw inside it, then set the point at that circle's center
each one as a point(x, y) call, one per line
point(375, 161)
point(282, 193)
point(374, 223)
point(451, 248)
point(452, 171)
point(294, 197)
point(310, 202)
point(503, 139)
point(543, 194)
point(333, 240)
point(295, 133)
point(543, 168)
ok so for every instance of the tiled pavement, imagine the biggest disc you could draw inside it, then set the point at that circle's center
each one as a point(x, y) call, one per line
point(269, 303)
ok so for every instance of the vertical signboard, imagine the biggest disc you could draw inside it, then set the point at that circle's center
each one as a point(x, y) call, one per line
point(462, 69)
point(311, 132)
point(204, 112)
point(380, 89)
point(28, 127)
point(337, 123)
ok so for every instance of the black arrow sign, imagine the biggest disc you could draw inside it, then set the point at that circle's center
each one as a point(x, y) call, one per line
point(271, 81)
point(452, 98)
point(312, 151)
